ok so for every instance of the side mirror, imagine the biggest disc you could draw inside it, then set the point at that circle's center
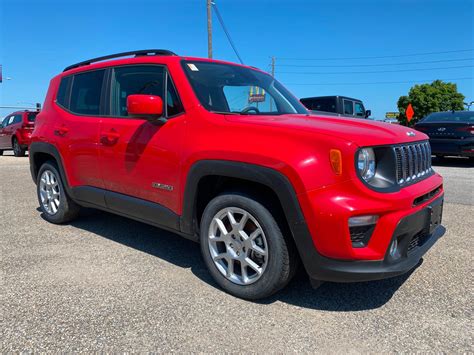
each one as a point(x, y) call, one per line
point(149, 107)
point(367, 113)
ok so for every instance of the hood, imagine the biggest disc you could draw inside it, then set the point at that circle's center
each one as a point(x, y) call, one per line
point(361, 132)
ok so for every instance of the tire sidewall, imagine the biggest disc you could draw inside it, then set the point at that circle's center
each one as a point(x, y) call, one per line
point(270, 281)
point(60, 215)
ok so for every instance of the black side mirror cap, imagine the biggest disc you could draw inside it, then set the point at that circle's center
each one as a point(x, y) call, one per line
point(368, 113)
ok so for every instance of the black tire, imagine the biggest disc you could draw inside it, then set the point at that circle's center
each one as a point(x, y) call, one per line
point(1, 152)
point(67, 210)
point(282, 259)
point(18, 151)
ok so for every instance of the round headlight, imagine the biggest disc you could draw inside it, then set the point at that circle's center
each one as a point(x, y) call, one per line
point(366, 163)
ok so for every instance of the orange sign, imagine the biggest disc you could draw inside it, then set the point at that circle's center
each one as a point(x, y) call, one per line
point(409, 112)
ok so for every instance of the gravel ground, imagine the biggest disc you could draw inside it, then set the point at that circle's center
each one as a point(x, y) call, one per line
point(105, 283)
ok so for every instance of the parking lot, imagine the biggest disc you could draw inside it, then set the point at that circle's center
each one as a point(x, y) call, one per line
point(106, 283)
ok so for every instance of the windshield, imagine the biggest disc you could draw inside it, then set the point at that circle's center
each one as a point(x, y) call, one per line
point(456, 116)
point(232, 89)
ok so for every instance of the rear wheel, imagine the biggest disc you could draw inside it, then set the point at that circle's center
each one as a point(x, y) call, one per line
point(1, 152)
point(17, 149)
point(244, 248)
point(56, 205)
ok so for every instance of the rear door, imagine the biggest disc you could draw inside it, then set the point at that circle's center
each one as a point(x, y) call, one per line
point(140, 158)
point(77, 133)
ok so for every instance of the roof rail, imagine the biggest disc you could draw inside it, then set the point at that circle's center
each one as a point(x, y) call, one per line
point(140, 53)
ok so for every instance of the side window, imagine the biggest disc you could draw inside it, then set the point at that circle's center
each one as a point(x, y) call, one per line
point(173, 104)
point(85, 93)
point(62, 97)
point(359, 109)
point(348, 107)
point(17, 119)
point(10, 120)
point(130, 80)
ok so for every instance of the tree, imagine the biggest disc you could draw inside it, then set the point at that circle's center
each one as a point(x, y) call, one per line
point(428, 98)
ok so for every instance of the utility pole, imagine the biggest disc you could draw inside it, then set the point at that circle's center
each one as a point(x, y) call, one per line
point(273, 75)
point(209, 29)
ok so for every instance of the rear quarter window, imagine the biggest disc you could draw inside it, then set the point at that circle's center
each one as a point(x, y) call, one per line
point(62, 98)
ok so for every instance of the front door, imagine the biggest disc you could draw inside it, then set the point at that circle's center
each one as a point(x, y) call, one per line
point(141, 158)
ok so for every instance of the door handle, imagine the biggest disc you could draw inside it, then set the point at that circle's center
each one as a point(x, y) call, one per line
point(109, 138)
point(61, 131)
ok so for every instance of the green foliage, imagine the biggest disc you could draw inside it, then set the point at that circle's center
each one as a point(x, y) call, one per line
point(428, 98)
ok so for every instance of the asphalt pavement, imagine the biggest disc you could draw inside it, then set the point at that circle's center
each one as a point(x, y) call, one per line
point(106, 283)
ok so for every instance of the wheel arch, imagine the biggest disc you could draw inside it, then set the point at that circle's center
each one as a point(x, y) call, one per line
point(41, 152)
point(207, 178)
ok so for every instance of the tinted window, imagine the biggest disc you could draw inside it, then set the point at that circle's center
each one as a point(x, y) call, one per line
point(173, 104)
point(326, 104)
point(17, 119)
point(32, 116)
point(85, 93)
point(456, 116)
point(359, 109)
point(62, 97)
point(130, 80)
point(348, 107)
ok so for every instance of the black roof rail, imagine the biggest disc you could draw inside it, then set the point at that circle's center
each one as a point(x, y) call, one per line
point(140, 53)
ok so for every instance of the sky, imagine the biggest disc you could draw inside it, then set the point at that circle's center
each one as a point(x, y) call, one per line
point(314, 42)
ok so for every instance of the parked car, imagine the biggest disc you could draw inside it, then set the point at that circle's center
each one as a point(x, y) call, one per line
point(391, 120)
point(184, 144)
point(15, 132)
point(336, 106)
point(451, 133)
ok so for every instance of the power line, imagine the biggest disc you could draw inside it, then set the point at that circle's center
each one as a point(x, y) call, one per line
point(219, 17)
point(380, 57)
point(374, 65)
point(374, 71)
point(378, 82)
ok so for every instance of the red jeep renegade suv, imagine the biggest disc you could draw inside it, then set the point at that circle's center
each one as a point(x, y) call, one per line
point(223, 154)
point(15, 132)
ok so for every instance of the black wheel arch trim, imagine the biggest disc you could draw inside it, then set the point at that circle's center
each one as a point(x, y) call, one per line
point(269, 177)
point(50, 149)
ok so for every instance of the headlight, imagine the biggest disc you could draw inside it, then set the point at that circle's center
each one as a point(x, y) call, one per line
point(366, 163)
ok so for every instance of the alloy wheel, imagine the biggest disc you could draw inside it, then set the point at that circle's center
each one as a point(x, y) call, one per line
point(238, 246)
point(50, 192)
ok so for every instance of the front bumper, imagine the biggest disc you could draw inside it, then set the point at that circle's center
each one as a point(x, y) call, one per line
point(415, 233)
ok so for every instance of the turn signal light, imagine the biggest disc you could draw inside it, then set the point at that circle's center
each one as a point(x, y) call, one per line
point(336, 161)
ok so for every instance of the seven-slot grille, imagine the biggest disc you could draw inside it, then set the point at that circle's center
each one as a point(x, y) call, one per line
point(413, 162)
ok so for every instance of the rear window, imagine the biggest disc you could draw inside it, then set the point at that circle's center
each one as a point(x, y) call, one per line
point(456, 116)
point(32, 116)
point(326, 104)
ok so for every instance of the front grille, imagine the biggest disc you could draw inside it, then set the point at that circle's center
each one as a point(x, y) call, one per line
point(413, 162)
point(418, 240)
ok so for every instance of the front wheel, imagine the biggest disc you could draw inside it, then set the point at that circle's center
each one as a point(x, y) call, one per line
point(56, 205)
point(18, 151)
point(244, 248)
